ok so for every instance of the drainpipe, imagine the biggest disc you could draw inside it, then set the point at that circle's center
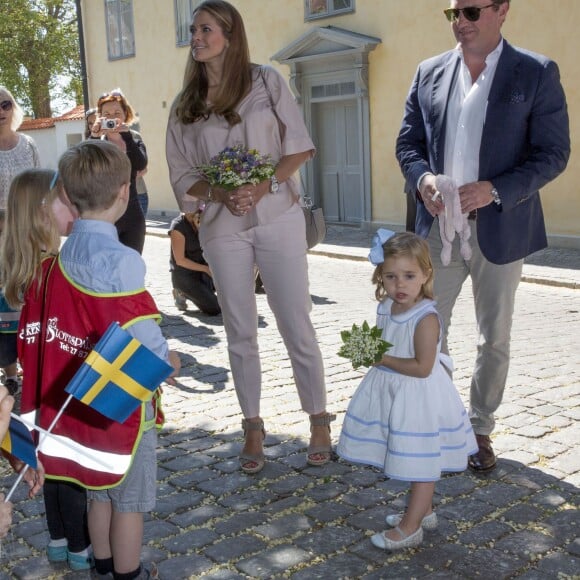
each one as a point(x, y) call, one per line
point(82, 55)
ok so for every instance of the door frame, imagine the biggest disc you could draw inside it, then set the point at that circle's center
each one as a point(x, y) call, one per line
point(325, 57)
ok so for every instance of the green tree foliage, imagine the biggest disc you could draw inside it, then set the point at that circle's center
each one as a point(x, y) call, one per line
point(38, 48)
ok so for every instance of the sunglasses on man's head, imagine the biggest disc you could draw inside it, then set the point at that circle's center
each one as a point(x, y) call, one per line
point(471, 13)
point(6, 105)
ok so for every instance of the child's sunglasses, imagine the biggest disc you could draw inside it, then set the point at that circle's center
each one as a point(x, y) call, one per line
point(6, 105)
point(471, 13)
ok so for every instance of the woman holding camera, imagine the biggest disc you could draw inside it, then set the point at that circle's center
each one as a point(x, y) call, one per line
point(114, 115)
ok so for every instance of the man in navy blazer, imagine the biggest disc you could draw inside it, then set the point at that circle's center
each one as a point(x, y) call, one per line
point(494, 118)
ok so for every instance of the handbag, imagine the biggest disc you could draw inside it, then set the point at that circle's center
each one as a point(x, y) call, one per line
point(315, 223)
point(313, 215)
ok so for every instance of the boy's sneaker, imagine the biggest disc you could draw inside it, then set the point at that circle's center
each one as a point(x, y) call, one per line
point(80, 561)
point(180, 300)
point(12, 385)
point(57, 553)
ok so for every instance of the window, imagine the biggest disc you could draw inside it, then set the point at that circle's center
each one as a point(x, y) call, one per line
point(323, 8)
point(183, 11)
point(120, 33)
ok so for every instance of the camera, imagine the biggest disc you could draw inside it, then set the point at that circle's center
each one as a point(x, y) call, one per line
point(108, 123)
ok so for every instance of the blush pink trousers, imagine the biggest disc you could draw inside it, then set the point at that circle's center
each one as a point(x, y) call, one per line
point(278, 249)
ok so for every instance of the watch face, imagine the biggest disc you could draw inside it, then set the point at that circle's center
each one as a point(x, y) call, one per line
point(274, 185)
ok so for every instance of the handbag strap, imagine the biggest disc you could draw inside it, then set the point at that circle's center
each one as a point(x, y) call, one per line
point(281, 125)
point(306, 199)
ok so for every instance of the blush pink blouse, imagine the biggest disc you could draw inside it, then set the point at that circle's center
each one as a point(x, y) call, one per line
point(192, 145)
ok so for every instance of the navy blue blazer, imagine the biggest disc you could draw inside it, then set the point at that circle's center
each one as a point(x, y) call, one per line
point(524, 145)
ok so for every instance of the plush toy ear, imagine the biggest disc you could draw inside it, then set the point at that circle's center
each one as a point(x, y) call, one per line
point(446, 243)
point(458, 217)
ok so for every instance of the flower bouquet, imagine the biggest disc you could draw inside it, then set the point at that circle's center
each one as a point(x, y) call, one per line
point(235, 166)
point(363, 345)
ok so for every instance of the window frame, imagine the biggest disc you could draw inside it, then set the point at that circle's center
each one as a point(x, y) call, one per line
point(122, 25)
point(329, 12)
point(179, 40)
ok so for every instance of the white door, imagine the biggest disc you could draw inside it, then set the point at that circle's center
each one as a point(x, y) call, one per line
point(337, 165)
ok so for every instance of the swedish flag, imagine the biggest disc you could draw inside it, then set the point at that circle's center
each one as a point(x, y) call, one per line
point(18, 442)
point(118, 375)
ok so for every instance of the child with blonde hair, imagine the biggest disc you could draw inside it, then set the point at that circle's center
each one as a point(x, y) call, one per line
point(104, 280)
point(36, 216)
point(406, 417)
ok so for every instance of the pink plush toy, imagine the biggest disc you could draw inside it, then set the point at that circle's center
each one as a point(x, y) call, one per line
point(452, 220)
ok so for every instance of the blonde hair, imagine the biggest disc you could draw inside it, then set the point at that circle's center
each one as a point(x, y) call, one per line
point(190, 104)
point(92, 174)
point(17, 112)
point(30, 231)
point(116, 95)
point(407, 245)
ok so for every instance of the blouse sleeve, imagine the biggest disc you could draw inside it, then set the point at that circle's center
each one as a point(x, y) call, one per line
point(296, 138)
point(182, 175)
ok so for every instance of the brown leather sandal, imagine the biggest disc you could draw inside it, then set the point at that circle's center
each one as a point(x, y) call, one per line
point(252, 463)
point(325, 451)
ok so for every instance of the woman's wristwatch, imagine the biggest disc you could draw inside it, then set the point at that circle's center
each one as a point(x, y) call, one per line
point(274, 184)
point(210, 195)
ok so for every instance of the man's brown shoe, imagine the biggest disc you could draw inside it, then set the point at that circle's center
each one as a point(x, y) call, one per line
point(484, 459)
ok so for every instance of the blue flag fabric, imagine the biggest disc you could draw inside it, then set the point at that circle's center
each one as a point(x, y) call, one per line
point(18, 442)
point(118, 375)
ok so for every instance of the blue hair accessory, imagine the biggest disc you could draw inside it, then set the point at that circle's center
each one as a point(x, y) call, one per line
point(377, 255)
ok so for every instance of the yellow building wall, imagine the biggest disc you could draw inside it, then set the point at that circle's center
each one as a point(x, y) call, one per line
point(409, 30)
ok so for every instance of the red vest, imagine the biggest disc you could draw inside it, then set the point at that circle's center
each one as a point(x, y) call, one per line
point(54, 337)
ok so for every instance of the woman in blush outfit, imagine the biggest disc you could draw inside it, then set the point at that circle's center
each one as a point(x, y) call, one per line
point(225, 101)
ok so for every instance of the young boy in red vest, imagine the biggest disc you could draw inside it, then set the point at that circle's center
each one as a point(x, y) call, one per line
point(94, 281)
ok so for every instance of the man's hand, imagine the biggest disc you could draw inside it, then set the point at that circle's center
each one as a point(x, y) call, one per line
point(475, 195)
point(431, 197)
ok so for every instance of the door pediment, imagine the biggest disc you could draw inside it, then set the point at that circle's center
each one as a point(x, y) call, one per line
point(327, 40)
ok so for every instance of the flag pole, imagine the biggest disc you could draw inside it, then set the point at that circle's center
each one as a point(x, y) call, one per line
point(45, 435)
point(62, 442)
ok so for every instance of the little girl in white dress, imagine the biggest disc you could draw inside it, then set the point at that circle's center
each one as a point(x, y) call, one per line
point(406, 417)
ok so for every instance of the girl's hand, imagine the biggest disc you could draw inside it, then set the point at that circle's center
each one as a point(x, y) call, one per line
point(5, 516)
point(35, 479)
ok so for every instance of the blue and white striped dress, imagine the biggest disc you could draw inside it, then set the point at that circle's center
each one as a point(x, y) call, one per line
point(414, 429)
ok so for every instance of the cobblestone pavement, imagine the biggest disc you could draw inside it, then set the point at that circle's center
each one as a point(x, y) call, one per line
point(299, 522)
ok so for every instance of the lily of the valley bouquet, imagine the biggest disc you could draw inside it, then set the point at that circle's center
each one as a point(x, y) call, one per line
point(235, 166)
point(363, 345)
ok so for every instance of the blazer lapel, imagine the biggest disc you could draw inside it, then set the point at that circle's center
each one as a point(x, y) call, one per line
point(443, 78)
point(506, 85)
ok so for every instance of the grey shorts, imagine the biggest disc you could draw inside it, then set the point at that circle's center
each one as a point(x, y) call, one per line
point(136, 493)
